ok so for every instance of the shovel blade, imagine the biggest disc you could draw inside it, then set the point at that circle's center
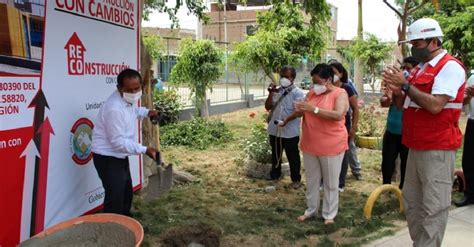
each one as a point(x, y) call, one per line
point(165, 175)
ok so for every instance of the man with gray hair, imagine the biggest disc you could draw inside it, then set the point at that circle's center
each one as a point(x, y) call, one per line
point(284, 131)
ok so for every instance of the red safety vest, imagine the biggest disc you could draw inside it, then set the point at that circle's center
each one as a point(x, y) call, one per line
point(422, 130)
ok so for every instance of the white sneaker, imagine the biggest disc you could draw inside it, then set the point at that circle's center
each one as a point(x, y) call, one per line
point(341, 189)
point(321, 188)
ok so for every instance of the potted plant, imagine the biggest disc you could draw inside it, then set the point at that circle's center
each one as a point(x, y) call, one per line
point(371, 126)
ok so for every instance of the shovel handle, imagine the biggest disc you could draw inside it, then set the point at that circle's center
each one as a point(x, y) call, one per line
point(157, 144)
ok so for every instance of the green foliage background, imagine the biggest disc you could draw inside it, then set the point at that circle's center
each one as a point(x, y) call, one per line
point(199, 66)
point(197, 133)
point(284, 37)
point(168, 104)
point(256, 146)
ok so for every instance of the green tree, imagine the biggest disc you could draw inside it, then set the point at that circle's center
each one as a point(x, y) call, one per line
point(372, 52)
point(404, 9)
point(282, 38)
point(195, 7)
point(456, 18)
point(199, 66)
point(153, 44)
point(458, 32)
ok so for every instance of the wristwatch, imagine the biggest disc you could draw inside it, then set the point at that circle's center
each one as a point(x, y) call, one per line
point(406, 87)
point(316, 110)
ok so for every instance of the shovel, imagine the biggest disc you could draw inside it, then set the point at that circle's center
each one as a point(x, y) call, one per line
point(165, 172)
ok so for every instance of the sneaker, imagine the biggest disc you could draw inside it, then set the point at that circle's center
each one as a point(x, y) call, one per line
point(296, 185)
point(321, 188)
point(358, 176)
point(341, 189)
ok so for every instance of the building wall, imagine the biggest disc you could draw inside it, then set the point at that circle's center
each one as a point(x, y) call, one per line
point(170, 37)
point(5, 46)
point(12, 40)
point(239, 22)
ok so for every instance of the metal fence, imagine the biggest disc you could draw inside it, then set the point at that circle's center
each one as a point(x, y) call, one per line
point(234, 86)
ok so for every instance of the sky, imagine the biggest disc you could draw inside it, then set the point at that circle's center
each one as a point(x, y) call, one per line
point(378, 19)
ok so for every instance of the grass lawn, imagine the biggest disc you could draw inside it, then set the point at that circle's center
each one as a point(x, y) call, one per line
point(240, 210)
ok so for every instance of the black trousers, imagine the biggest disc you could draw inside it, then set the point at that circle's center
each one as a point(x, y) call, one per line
point(392, 146)
point(290, 145)
point(117, 183)
point(468, 159)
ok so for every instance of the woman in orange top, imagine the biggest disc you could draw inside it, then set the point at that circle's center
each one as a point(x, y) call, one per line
point(323, 141)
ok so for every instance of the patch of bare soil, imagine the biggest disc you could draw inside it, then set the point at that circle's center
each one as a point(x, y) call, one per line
point(198, 234)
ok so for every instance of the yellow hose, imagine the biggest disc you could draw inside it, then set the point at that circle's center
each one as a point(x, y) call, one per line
point(376, 193)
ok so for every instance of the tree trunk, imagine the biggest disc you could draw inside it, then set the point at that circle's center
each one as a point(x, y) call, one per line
point(402, 34)
point(149, 131)
point(204, 108)
point(358, 74)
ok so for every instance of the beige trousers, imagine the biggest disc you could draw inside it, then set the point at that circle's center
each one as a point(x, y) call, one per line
point(427, 194)
point(328, 169)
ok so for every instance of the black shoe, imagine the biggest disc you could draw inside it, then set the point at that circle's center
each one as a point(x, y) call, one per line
point(358, 176)
point(466, 200)
point(271, 178)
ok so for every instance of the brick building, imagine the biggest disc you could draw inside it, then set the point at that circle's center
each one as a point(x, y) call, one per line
point(242, 20)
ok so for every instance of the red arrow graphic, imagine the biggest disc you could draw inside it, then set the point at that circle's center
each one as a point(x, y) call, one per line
point(39, 103)
point(45, 132)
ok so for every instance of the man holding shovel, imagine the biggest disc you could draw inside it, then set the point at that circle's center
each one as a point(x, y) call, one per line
point(114, 139)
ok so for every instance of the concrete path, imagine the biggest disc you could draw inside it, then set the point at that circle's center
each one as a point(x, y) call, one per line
point(459, 232)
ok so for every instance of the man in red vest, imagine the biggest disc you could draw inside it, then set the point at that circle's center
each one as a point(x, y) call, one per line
point(432, 98)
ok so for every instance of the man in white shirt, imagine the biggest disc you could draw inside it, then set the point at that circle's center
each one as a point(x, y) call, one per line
point(468, 151)
point(114, 139)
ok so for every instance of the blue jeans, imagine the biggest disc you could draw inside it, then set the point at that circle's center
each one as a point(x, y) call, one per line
point(350, 159)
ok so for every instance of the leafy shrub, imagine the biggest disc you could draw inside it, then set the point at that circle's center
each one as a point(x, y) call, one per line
point(169, 106)
point(371, 120)
point(256, 146)
point(196, 133)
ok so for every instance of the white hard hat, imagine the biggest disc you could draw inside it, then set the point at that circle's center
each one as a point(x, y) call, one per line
point(424, 28)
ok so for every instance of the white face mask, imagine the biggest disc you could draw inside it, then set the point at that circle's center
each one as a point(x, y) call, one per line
point(336, 78)
point(284, 82)
point(132, 98)
point(319, 89)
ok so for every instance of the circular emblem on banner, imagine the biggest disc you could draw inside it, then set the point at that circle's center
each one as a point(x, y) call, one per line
point(81, 141)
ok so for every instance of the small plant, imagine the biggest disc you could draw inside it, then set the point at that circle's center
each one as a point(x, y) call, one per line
point(196, 133)
point(256, 147)
point(371, 122)
point(169, 106)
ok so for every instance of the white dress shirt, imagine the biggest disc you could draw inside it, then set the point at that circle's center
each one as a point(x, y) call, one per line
point(448, 80)
point(115, 128)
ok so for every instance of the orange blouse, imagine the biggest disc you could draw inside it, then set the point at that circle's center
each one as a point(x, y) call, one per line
point(323, 137)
